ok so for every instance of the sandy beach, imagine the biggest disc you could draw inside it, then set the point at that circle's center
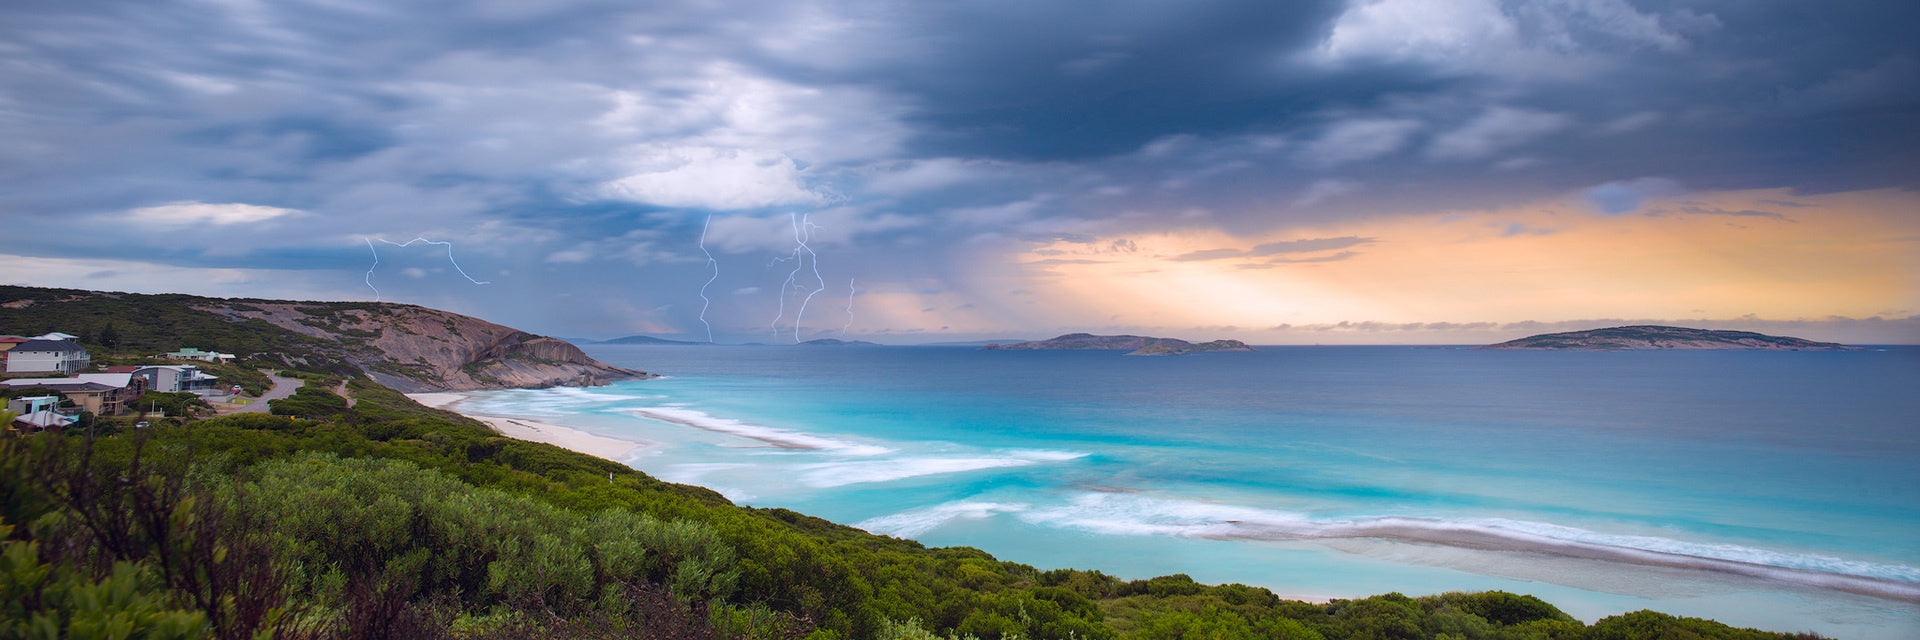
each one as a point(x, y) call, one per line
point(561, 436)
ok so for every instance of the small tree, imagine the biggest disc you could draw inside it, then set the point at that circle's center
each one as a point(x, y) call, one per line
point(110, 337)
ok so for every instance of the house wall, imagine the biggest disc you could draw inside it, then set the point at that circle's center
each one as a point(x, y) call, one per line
point(47, 361)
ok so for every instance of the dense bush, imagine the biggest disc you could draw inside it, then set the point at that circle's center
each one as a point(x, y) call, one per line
point(309, 402)
point(175, 404)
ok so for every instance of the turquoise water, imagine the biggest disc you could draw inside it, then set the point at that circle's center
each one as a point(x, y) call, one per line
point(1771, 489)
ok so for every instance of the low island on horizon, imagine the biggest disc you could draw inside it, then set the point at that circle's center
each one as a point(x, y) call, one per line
point(1656, 338)
point(1133, 345)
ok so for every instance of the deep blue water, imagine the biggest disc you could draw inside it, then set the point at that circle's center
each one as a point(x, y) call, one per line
point(1603, 481)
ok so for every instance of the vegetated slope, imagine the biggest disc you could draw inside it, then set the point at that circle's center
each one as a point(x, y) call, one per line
point(1135, 345)
point(1650, 337)
point(412, 348)
point(406, 347)
point(393, 520)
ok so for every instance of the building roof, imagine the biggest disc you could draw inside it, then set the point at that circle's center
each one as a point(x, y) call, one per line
point(82, 382)
point(186, 371)
point(62, 385)
point(112, 379)
point(144, 367)
point(44, 418)
point(50, 345)
point(57, 336)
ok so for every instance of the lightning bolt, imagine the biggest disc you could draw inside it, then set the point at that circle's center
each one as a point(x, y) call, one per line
point(851, 292)
point(815, 261)
point(704, 300)
point(409, 243)
point(376, 264)
point(803, 258)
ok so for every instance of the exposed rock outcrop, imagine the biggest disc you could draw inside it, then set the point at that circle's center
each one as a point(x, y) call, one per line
point(414, 349)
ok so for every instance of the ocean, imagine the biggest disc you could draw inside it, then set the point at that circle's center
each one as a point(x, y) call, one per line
point(1770, 489)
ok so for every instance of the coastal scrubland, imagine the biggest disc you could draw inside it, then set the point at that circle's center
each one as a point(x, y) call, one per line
point(391, 519)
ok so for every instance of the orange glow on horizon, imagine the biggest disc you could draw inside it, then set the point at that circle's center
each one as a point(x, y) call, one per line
point(1715, 255)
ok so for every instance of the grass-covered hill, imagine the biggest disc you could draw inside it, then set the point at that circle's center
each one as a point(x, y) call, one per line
point(393, 520)
point(405, 347)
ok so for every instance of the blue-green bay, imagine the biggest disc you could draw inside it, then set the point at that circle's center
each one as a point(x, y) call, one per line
point(1766, 489)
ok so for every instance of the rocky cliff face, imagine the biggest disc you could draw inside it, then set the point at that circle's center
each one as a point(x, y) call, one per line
point(414, 349)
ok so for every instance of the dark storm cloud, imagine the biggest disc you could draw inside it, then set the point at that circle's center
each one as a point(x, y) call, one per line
point(575, 142)
point(1053, 81)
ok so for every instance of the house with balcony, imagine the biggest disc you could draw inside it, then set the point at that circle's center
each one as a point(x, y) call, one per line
point(169, 378)
point(104, 394)
point(64, 357)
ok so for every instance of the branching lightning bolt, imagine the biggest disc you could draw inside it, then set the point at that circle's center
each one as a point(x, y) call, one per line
point(704, 300)
point(409, 243)
point(799, 224)
point(803, 258)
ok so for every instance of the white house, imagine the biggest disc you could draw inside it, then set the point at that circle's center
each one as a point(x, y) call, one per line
point(48, 356)
point(194, 353)
point(168, 378)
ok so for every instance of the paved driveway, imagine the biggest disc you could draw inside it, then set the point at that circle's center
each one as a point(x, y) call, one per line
point(282, 387)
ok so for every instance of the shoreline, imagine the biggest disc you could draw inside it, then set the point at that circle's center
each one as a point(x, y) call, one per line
point(1393, 530)
point(565, 437)
point(621, 451)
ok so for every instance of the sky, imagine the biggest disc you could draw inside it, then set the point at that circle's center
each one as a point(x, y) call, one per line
point(1312, 172)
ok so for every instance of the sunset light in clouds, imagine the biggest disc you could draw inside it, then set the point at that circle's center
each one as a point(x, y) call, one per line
point(1764, 254)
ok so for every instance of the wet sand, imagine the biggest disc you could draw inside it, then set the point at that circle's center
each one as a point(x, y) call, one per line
point(561, 436)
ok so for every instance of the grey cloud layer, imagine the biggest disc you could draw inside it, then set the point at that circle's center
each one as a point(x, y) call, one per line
point(561, 138)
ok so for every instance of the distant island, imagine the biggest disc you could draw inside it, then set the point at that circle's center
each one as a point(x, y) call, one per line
point(647, 340)
point(1652, 337)
point(1134, 345)
point(836, 342)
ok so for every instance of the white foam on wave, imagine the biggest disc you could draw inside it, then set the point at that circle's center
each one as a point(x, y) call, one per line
point(909, 524)
point(782, 438)
point(1717, 551)
point(838, 474)
point(556, 401)
point(1136, 515)
point(578, 393)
